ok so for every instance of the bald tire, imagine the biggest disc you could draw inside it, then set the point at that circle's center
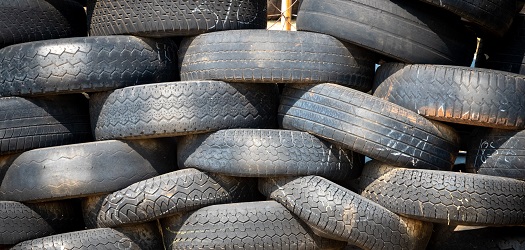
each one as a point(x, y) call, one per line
point(445, 197)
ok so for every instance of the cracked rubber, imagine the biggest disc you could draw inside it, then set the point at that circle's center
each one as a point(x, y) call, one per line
point(267, 153)
point(262, 56)
point(173, 17)
point(136, 237)
point(19, 222)
point(32, 20)
point(445, 197)
point(409, 31)
point(452, 94)
point(29, 123)
point(85, 169)
point(254, 225)
point(181, 108)
point(368, 125)
point(85, 64)
point(338, 213)
point(497, 152)
point(165, 195)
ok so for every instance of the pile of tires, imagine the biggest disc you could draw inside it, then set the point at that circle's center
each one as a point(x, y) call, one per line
point(186, 124)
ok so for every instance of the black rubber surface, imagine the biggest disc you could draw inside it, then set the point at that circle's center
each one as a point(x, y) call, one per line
point(32, 20)
point(409, 31)
point(29, 123)
point(173, 18)
point(490, 238)
point(338, 213)
point(368, 125)
point(165, 195)
point(85, 169)
point(85, 64)
point(180, 108)
point(452, 94)
point(263, 56)
point(445, 197)
point(254, 225)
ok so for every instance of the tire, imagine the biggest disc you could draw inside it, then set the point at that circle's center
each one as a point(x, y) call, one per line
point(461, 95)
point(338, 213)
point(266, 153)
point(84, 169)
point(494, 238)
point(262, 56)
point(30, 123)
point(255, 225)
point(85, 64)
point(368, 125)
point(445, 197)
point(20, 222)
point(33, 20)
point(181, 108)
point(165, 195)
point(173, 17)
point(408, 31)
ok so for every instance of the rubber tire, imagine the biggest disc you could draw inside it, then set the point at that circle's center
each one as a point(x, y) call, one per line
point(445, 197)
point(85, 64)
point(19, 222)
point(86, 169)
point(254, 225)
point(181, 108)
point(478, 97)
point(165, 195)
point(29, 123)
point(494, 238)
point(267, 153)
point(409, 31)
point(264, 56)
point(173, 17)
point(368, 125)
point(337, 213)
point(33, 20)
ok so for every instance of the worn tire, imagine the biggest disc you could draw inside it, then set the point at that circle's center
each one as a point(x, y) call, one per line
point(165, 195)
point(368, 125)
point(338, 213)
point(181, 108)
point(263, 56)
point(266, 153)
point(254, 225)
point(84, 169)
point(445, 197)
point(452, 94)
point(173, 17)
point(32, 20)
point(490, 238)
point(408, 31)
point(85, 64)
point(29, 123)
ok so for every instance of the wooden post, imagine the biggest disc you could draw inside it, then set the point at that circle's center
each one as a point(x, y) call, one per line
point(286, 14)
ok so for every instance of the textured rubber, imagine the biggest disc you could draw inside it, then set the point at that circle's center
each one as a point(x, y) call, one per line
point(461, 95)
point(445, 197)
point(368, 125)
point(497, 152)
point(165, 195)
point(267, 153)
point(180, 108)
point(338, 213)
point(85, 169)
point(29, 123)
point(85, 64)
point(173, 17)
point(490, 238)
point(410, 31)
point(19, 222)
point(254, 225)
point(32, 20)
point(263, 56)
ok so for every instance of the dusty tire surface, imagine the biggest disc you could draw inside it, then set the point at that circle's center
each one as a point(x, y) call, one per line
point(262, 56)
point(445, 197)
